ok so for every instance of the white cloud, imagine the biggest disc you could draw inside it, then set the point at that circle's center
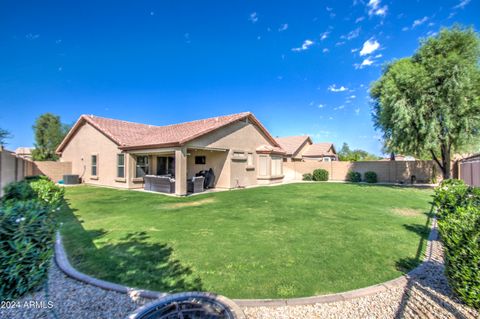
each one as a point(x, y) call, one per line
point(354, 50)
point(405, 29)
point(333, 88)
point(367, 62)
point(352, 97)
point(325, 50)
point(339, 43)
point(31, 36)
point(329, 9)
point(462, 4)
point(359, 19)
point(378, 56)
point(369, 47)
point(357, 111)
point(352, 34)
point(320, 106)
point(283, 27)
point(306, 44)
point(324, 35)
point(253, 17)
point(376, 9)
point(152, 13)
point(339, 107)
point(418, 22)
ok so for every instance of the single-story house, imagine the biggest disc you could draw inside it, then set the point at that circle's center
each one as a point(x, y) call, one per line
point(301, 148)
point(238, 148)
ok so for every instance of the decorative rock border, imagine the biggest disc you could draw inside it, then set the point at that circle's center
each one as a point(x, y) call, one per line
point(63, 263)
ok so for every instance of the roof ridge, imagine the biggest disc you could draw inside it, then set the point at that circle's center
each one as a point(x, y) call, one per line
point(92, 116)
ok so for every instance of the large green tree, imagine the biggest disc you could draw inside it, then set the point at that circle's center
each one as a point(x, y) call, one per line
point(4, 135)
point(429, 104)
point(49, 132)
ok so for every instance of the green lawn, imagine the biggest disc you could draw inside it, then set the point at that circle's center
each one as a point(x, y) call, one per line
point(269, 242)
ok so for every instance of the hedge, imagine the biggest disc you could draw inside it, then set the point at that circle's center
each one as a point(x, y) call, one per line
point(370, 177)
point(458, 212)
point(354, 177)
point(307, 177)
point(320, 175)
point(27, 230)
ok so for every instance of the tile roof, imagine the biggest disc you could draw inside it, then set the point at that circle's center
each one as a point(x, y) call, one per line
point(320, 149)
point(129, 135)
point(291, 144)
point(270, 149)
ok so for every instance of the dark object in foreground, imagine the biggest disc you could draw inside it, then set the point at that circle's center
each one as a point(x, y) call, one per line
point(190, 305)
point(71, 179)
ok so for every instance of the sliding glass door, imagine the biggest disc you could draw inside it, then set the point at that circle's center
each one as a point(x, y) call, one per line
point(166, 165)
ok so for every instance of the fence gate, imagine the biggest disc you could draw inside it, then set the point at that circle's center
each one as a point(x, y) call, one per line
point(470, 170)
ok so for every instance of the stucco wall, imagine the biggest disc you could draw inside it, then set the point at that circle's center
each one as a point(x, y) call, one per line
point(53, 170)
point(237, 137)
point(217, 160)
point(86, 142)
point(11, 168)
point(387, 171)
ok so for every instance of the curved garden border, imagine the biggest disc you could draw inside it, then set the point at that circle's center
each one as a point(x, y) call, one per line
point(63, 263)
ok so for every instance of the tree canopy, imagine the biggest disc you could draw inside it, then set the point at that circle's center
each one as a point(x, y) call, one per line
point(429, 104)
point(49, 132)
point(346, 154)
point(4, 135)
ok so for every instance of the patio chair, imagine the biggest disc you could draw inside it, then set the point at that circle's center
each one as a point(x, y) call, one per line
point(195, 185)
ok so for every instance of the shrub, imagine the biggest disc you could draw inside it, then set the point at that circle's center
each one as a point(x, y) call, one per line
point(47, 192)
point(354, 177)
point(370, 177)
point(320, 175)
point(459, 224)
point(450, 194)
point(18, 191)
point(461, 237)
point(307, 177)
point(27, 231)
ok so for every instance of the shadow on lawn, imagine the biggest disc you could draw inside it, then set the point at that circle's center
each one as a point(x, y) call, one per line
point(133, 260)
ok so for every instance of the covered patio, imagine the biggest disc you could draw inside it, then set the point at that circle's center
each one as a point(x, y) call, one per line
point(181, 170)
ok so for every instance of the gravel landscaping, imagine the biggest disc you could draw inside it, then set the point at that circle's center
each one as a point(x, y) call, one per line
point(425, 295)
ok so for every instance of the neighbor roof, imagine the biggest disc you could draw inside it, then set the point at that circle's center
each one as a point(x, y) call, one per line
point(291, 144)
point(320, 149)
point(129, 135)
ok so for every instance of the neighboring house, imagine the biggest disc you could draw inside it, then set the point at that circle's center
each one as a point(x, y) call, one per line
point(117, 153)
point(24, 152)
point(294, 146)
point(301, 148)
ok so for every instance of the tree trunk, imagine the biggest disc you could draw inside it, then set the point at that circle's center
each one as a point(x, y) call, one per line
point(446, 169)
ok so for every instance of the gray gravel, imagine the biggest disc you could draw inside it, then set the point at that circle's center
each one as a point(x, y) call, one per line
point(426, 295)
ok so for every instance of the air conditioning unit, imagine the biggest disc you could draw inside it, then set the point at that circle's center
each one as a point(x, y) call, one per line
point(71, 179)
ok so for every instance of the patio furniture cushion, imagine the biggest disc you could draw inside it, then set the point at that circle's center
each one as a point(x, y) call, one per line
point(162, 184)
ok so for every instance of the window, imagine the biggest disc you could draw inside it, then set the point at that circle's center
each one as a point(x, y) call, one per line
point(120, 165)
point(262, 163)
point(141, 166)
point(249, 159)
point(166, 165)
point(238, 154)
point(200, 160)
point(276, 166)
point(94, 165)
point(327, 159)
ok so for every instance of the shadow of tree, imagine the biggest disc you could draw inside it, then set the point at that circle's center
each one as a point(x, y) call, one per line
point(132, 260)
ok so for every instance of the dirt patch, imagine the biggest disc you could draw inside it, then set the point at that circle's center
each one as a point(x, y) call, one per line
point(408, 212)
point(190, 204)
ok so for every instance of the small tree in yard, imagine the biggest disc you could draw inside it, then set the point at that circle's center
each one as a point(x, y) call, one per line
point(428, 105)
point(49, 132)
point(4, 135)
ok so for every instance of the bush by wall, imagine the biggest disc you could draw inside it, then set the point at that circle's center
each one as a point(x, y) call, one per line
point(354, 177)
point(27, 231)
point(320, 175)
point(459, 224)
point(307, 177)
point(370, 177)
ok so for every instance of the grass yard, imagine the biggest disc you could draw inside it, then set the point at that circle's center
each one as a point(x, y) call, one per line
point(268, 242)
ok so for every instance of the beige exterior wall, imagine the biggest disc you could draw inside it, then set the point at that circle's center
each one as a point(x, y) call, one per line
point(387, 171)
point(217, 160)
point(236, 138)
point(53, 170)
point(89, 141)
point(11, 168)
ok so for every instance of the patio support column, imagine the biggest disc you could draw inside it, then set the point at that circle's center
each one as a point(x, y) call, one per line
point(181, 171)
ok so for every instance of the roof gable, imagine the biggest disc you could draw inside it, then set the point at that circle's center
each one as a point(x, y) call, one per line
point(292, 144)
point(130, 135)
point(320, 149)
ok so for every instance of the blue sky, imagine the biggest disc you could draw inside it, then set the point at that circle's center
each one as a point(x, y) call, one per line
point(302, 67)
